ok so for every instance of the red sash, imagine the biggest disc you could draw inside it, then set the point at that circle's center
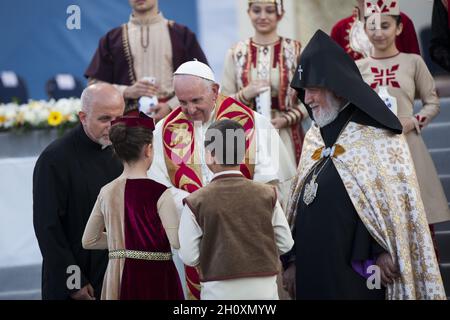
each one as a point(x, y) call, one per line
point(183, 161)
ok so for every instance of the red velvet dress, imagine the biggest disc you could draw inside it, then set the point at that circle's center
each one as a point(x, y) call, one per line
point(147, 279)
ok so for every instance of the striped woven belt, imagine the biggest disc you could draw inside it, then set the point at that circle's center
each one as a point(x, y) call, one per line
point(140, 255)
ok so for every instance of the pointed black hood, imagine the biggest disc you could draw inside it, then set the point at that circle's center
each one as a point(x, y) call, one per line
point(323, 63)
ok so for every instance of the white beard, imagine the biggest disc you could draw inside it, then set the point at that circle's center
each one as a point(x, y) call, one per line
point(327, 114)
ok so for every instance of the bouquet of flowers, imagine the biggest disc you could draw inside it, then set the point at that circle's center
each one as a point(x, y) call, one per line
point(61, 114)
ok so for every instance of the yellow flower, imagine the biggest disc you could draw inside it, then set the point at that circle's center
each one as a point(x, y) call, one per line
point(55, 118)
point(2, 119)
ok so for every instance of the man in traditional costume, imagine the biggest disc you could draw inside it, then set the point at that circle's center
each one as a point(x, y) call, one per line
point(66, 181)
point(267, 61)
point(355, 205)
point(349, 34)
point(148, 45)
point(179, 141)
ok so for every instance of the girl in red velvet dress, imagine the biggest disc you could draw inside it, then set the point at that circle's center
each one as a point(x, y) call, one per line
point(140, 219)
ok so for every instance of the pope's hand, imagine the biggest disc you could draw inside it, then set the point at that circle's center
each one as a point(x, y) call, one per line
point(160, 111)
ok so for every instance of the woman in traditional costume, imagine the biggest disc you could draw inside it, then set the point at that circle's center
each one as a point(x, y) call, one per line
point(397, 77)
point(140, 219)
point(258, 72)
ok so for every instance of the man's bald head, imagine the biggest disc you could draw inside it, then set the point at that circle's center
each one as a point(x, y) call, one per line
point(99, 92)
point(101, 104)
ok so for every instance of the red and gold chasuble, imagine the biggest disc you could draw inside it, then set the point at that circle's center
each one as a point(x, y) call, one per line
point(183, 159)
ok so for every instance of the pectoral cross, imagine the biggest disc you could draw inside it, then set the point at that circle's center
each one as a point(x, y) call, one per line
point(300, 70)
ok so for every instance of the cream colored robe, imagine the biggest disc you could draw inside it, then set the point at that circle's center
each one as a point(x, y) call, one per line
point(156, 59)
point(232, 82)
point(405, 75)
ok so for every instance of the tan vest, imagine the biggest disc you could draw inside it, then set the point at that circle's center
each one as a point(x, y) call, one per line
point(235, 215)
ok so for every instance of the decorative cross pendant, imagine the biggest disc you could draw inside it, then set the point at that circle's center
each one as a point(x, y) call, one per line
point(310, 191)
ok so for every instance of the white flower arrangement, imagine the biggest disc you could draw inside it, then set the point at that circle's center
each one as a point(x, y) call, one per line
point(62, 113)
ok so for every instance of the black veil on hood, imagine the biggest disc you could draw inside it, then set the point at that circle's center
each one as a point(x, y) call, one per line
point(323, 63)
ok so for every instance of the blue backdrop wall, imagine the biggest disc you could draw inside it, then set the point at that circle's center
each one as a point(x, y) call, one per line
point(36, 43)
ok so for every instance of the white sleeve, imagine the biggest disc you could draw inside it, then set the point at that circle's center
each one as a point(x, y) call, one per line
point(189, 235)
point(272, 158)
point(178, 196)
point(283, 235)
point(158, 169)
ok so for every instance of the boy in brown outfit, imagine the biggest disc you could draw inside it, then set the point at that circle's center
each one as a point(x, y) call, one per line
point(233, 229)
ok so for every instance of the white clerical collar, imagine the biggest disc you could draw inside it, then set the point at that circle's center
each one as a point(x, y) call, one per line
point(226, 172)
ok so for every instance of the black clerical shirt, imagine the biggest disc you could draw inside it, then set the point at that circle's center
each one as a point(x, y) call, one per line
point(66, 182)
point(329, 234)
